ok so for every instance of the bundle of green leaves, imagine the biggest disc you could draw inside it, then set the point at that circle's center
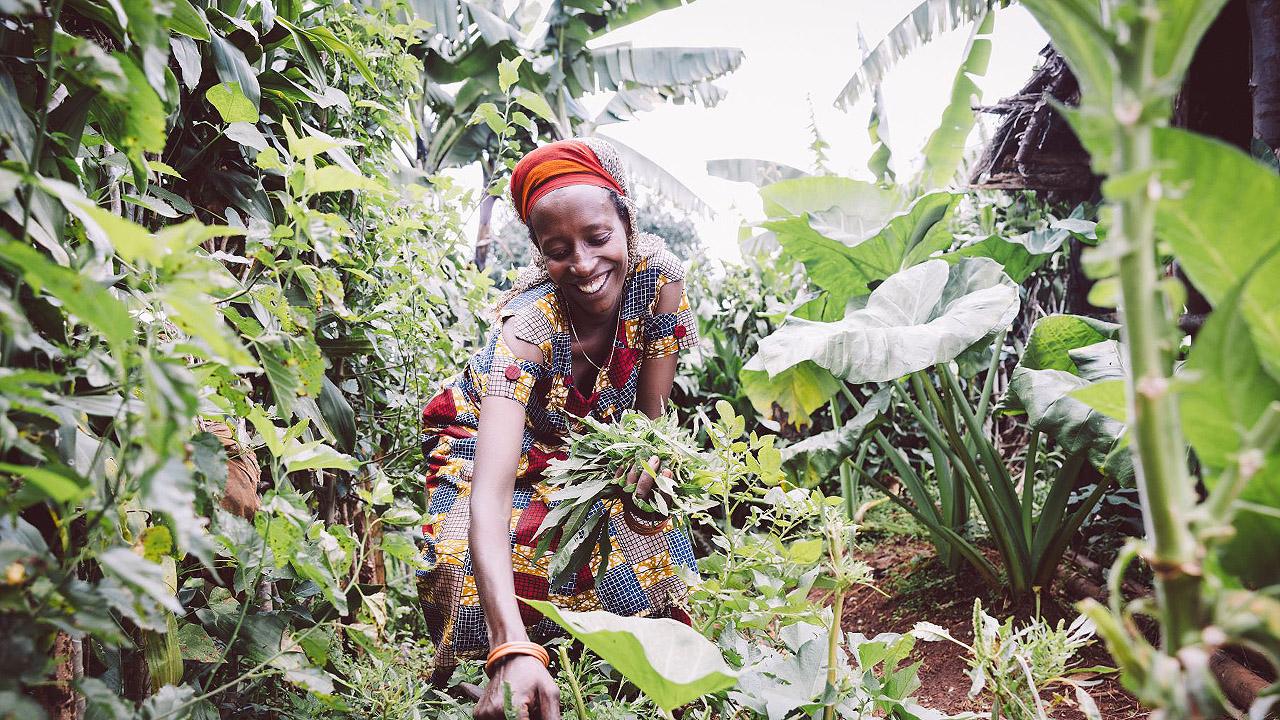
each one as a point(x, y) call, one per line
point(596, 470)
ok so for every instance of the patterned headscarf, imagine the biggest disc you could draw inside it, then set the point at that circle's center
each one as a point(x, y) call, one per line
point(591, 161)
point(551, 167)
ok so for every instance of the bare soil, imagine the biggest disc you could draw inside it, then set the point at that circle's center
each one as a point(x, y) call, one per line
point(911, 586)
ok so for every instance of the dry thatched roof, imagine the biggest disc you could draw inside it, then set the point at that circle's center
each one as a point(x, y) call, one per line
point(1034, 148)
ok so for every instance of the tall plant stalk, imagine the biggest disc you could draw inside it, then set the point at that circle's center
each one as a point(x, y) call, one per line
point(1164, 485)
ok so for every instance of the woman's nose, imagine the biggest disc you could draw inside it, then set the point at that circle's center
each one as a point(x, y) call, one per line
point(580, 264)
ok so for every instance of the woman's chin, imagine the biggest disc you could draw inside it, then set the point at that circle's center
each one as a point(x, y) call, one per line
point(597, 306)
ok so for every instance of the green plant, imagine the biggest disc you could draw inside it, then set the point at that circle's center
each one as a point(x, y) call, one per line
point(1016, 665)
point(594, 475)
point(1130, 58)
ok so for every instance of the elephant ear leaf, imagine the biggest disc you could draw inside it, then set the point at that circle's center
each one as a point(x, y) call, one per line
point(1069, 383)
point(669, 661)
point(919, 317)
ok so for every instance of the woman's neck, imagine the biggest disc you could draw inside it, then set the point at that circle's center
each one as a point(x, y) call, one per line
point(586, 323)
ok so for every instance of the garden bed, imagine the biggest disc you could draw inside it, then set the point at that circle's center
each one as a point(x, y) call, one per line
point(911, 586)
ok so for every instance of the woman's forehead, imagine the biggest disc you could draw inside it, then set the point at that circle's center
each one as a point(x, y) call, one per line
point(571, 202)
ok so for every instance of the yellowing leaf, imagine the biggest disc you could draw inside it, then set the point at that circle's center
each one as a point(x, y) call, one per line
point(231, 103)
point(332, 178)
point(508, 73)
point(163, 168)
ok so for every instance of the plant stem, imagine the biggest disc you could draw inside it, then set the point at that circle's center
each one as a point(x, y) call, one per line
point(578, 703)
point(833, 644)
point(1160, 467)
point(37, 147)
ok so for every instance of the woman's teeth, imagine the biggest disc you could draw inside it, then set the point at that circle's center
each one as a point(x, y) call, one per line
point(593, 286)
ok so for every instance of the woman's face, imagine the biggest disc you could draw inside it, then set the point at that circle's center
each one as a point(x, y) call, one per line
point(585, 244)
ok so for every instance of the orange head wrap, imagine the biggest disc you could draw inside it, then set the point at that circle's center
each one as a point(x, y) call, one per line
point(553, 166)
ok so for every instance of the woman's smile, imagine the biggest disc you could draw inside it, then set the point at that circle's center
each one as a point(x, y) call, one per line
point(583, 238)
point(595, 284)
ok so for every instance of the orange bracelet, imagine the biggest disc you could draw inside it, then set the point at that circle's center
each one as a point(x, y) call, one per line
point(642, 529)
point(518, 647)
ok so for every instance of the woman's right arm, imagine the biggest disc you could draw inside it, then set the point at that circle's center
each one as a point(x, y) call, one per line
point(498, 440)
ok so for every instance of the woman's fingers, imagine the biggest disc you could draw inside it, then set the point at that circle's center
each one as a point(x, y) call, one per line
point(549, 701)
point(644, 486)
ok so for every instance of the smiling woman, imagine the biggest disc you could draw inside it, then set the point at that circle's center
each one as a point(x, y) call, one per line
point(591, 330)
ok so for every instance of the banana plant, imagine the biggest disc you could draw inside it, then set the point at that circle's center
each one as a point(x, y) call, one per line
point(472, 39)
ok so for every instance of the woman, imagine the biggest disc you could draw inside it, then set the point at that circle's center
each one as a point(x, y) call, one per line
point(591, 329)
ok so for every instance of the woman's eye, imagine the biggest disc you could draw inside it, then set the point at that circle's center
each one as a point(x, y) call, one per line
point(601, 239)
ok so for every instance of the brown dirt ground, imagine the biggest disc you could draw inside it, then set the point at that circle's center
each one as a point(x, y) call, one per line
point(910, 586)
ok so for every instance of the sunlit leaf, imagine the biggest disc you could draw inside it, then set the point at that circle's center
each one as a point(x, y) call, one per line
point(669, 661)
point(231, 103)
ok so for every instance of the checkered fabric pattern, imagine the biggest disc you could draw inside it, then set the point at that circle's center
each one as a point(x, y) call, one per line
point(644, 575)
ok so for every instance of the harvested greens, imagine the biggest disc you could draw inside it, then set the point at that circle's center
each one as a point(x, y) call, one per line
point(596, 470)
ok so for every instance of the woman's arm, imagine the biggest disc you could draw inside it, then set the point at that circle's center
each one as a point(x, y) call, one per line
point(657, 374)
point(498, 444)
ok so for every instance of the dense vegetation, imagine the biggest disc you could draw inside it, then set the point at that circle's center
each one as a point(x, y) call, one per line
point(231, 273)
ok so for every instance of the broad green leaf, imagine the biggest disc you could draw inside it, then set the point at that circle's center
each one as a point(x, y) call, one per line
point(135, 123)
point(944, 150)
point(332, 178)
point(1018, 261)
point(163, 169)
point(621, 65)
point(536, 104)
point(669, 661)
point(60, 483)
point(1227, 391)
point(247, 135)
point(196, 644)
point(82, 297)
point(920, 317)
point(231, 103)
point(311, 679)
point(268, 430)
point(1219, 231)
point(781, 682)
point(797, 391)
point(1053, 337)
point(338, 415)
point(197, 315)
point(316, 456)
point(1105, 396)
point(233, 67)
point(325, 36)
point(508, 72)
point(187, 20)
point(132, 241)
point(863, 207)
point(928, 19)
point(1074, 425)
point(757, 172)
point(146, 576)
point(835, 445)
point(847, 266)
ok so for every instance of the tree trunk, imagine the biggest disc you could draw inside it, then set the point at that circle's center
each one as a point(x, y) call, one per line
point(484, 238)
point(1264, 25)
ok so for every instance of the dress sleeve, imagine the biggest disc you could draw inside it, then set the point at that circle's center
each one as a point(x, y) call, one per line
point(499, 373)
point(667, 333)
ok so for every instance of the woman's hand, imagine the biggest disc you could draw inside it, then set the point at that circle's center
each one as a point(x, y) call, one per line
point(641, 482)
point(534, 695)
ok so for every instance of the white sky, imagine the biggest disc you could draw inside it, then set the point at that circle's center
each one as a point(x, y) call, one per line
point(797, 51)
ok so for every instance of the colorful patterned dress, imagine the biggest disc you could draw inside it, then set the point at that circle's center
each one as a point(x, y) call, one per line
point(644, 576)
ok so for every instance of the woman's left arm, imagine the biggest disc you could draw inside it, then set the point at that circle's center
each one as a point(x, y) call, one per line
point(657, 374)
